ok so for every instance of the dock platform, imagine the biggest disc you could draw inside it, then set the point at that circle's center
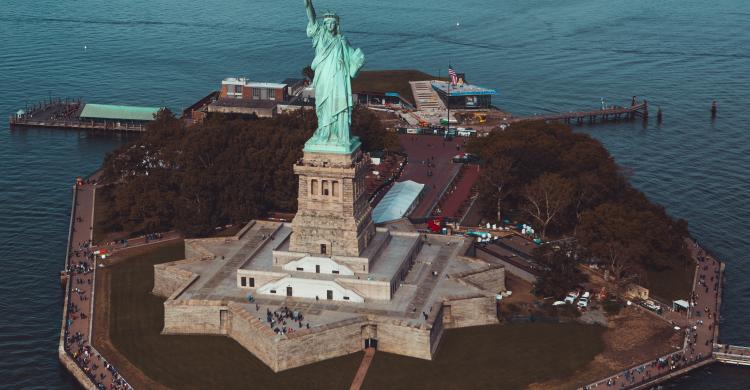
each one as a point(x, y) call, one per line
point(66, 114)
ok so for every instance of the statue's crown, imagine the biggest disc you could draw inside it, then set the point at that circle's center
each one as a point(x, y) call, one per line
point(331, 15)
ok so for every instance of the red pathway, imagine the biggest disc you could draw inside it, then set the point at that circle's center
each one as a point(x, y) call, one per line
point(454, 199)
point(430, 154)
point(359, 378)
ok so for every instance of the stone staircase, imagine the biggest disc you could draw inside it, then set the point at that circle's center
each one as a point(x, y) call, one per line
point(425, 97)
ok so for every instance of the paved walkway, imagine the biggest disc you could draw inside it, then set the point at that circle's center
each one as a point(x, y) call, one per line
point(430, 163)
point(699, 335)
point(454, 201)
point(359, 378)
point(81, 270)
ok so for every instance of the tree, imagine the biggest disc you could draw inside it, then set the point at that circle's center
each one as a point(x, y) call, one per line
point(368, 127)
point(499, 174)
point(654, 241)
point(560, 272)
point(612, 233)
point(546, 198)
point(225, 170)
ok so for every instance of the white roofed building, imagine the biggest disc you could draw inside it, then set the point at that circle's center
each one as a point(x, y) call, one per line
point(398, 202)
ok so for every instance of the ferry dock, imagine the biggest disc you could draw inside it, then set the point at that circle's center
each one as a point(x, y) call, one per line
point(75, 114)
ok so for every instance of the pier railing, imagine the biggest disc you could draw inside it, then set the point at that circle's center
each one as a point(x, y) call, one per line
point(77, 124)
point(732, 354)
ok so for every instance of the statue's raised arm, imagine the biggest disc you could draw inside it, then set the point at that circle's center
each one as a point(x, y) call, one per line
point(310, 11)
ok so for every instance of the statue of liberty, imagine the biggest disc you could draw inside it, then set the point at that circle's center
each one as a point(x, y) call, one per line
point(335, 64)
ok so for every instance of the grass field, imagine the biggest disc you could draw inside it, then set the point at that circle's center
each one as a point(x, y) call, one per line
point(492, 357)
point(505, 357)
point(197, 362)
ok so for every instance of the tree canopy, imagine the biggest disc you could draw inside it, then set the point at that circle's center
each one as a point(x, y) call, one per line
point(567, 184)
point(225, 170)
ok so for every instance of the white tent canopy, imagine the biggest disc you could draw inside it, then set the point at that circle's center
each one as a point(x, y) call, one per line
point(398, 202)
point(681, 303)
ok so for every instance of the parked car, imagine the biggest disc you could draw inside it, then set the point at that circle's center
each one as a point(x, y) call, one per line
point(559, 303)
point(571, 297)
point(583, 303)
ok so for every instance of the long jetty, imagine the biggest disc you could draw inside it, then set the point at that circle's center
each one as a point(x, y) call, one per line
point(613, 113)
point(75, 351)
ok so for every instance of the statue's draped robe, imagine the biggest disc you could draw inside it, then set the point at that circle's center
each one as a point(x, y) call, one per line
point(335, 64)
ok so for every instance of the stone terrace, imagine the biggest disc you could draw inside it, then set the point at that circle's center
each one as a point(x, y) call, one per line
point(442, 289)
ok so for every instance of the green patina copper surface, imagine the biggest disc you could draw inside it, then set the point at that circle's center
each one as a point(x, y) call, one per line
point(336, 62)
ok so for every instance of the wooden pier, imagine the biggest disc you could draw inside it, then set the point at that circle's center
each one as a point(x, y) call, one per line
point(65, 114)
point(732, 354)
point(614, 113)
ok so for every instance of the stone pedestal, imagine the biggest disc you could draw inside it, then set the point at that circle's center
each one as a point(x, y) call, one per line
point(333, 215)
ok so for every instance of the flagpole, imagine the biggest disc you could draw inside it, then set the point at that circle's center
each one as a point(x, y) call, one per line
point(450, 83)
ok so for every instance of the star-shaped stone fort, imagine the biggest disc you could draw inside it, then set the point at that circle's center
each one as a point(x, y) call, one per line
point(330, 283)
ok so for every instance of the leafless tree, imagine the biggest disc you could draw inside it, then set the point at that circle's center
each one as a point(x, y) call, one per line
point(546, 198)
point(499, 175)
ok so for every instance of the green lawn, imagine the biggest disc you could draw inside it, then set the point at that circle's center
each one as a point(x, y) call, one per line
point(507, 357)
point(197, 362)
point(492, 357)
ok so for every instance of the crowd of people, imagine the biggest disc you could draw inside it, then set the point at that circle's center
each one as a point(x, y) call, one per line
point(67, 112)
point(282, 320)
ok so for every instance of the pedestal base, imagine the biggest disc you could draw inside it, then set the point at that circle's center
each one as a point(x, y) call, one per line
point(354, 143)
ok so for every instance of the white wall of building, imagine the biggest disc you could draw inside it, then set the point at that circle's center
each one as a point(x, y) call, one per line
point(309, 263)
point(310, 288)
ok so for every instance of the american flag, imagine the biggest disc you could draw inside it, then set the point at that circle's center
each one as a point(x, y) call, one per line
point(452, 73)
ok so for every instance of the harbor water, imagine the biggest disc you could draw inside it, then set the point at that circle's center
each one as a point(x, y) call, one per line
point(541, 56)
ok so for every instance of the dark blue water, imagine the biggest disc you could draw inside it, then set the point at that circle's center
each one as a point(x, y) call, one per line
point(542, 55)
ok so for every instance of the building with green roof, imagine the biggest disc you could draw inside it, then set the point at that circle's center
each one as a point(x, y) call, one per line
point(107, 112)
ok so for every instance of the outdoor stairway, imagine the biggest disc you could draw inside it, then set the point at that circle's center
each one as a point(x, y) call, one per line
point(258, 236)
point(425, 97)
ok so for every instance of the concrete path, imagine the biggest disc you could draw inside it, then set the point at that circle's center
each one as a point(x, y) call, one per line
point(359, 378)
point(80, 268)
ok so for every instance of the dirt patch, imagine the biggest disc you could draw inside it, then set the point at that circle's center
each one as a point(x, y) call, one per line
point(632, 337)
